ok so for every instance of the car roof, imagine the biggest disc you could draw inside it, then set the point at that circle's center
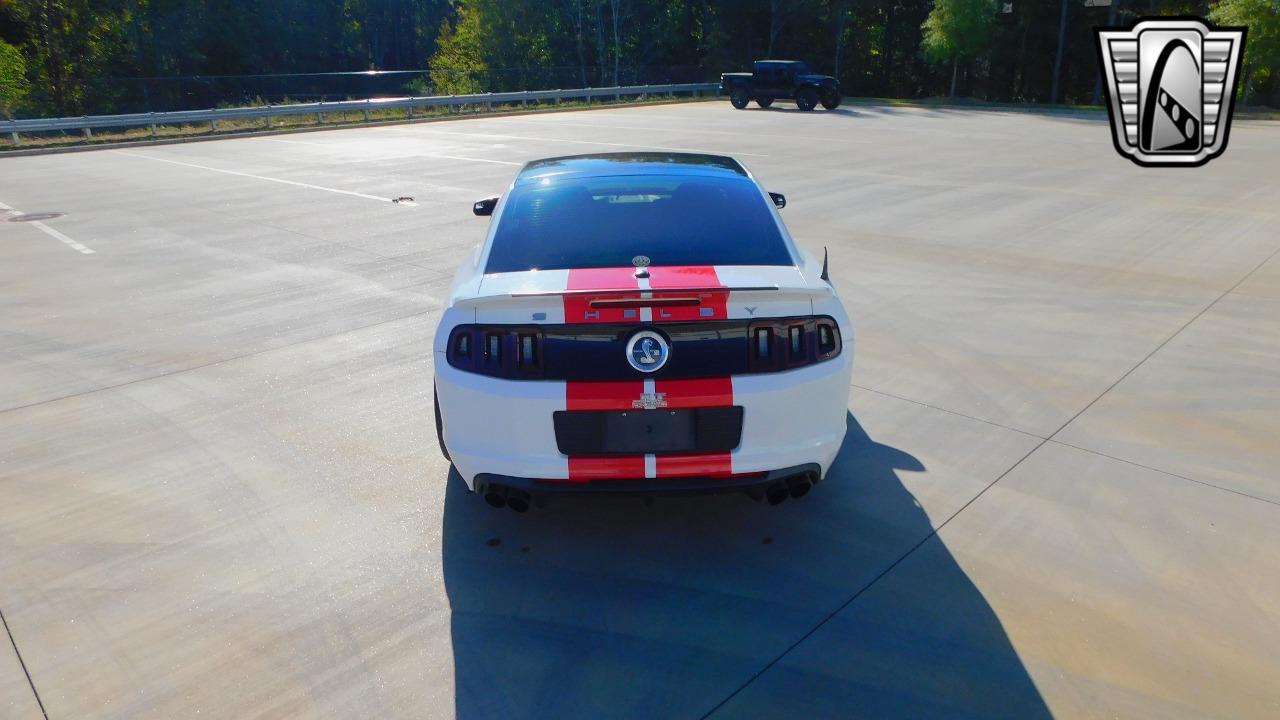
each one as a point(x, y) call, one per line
point(632, 163)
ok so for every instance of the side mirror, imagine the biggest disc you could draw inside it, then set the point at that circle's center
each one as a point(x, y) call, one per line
point(484, 207)
point(778, 199)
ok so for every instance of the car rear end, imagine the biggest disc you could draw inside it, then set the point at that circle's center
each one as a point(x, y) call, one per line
point(541, 391)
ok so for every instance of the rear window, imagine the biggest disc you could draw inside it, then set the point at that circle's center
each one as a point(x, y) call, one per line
point(608, 221)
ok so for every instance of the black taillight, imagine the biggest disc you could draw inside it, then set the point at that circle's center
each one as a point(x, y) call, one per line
point(500, 351)
point(763, 343)
point(527, 350)
point(828, 339)
point(786, 343)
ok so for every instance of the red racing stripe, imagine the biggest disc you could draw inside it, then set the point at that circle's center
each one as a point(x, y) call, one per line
point(686, 277)
point(620, 395)
point(718, 464)
point(665, 281)
point(602, 394)
point(696, 392)
point(613, 278)
point(621, 467)
point(577, 308)
point(683, 276)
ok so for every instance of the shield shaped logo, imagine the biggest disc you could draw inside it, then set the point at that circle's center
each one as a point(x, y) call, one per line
point(1171, 87)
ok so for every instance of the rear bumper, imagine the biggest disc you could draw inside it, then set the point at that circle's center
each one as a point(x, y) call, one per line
point(498, 427)
point(751, 484)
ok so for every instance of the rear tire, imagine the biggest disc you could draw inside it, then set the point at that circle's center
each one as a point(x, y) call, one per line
point(440, 426)
point(739, 99)
point(807, 99)
point(764, 102)
point(831, 100)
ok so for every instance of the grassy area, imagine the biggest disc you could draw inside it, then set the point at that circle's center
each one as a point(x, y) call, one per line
point(294, 122)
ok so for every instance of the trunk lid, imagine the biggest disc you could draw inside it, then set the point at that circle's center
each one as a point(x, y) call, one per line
point(667, 294)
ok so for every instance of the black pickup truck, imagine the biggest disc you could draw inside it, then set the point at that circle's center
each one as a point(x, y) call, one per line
point(778, 80)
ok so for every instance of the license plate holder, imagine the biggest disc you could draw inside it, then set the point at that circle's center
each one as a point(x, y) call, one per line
point(650, 431)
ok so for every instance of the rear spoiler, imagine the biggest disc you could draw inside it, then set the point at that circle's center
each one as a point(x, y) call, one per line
point(632, 291)
point(617, 297)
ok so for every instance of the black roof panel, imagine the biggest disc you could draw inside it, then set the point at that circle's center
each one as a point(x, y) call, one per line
point(632, 163)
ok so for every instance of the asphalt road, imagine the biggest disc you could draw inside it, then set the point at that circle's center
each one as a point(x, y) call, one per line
point(220, 492)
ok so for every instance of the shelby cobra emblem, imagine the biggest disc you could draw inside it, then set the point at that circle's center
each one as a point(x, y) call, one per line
point(1171, 86)
point(647, 351)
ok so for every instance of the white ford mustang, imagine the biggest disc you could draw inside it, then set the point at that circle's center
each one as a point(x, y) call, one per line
point(640, 322)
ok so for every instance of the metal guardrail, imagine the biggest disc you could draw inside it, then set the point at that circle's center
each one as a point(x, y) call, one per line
point(87, 124)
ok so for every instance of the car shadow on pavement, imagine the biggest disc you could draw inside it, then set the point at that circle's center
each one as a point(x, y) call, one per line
point(603, 607)
point(796, 110)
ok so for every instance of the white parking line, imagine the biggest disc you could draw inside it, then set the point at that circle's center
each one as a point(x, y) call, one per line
point(469, 159)
point(237, 173)
point(52, 233)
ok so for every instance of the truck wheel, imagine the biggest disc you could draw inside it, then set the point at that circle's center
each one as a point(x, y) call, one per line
point(807, 98)
point(739, 99)
point(440, 426)
point(831, 99)
point(764, 102)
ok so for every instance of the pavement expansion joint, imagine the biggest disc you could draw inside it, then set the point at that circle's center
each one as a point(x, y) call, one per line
point(30, 683)
point(1043, 441)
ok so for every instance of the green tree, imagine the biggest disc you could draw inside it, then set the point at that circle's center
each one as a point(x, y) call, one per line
point(458, 65)
point(956, 29)
point(13, 79)
point(71, 42)
point(1262, 49)
point(497, 45)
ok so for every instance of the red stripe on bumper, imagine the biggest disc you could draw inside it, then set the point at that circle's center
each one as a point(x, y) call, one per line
point(695, 465)
point(625, 467)
point(695, 393)
point(604, 395)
